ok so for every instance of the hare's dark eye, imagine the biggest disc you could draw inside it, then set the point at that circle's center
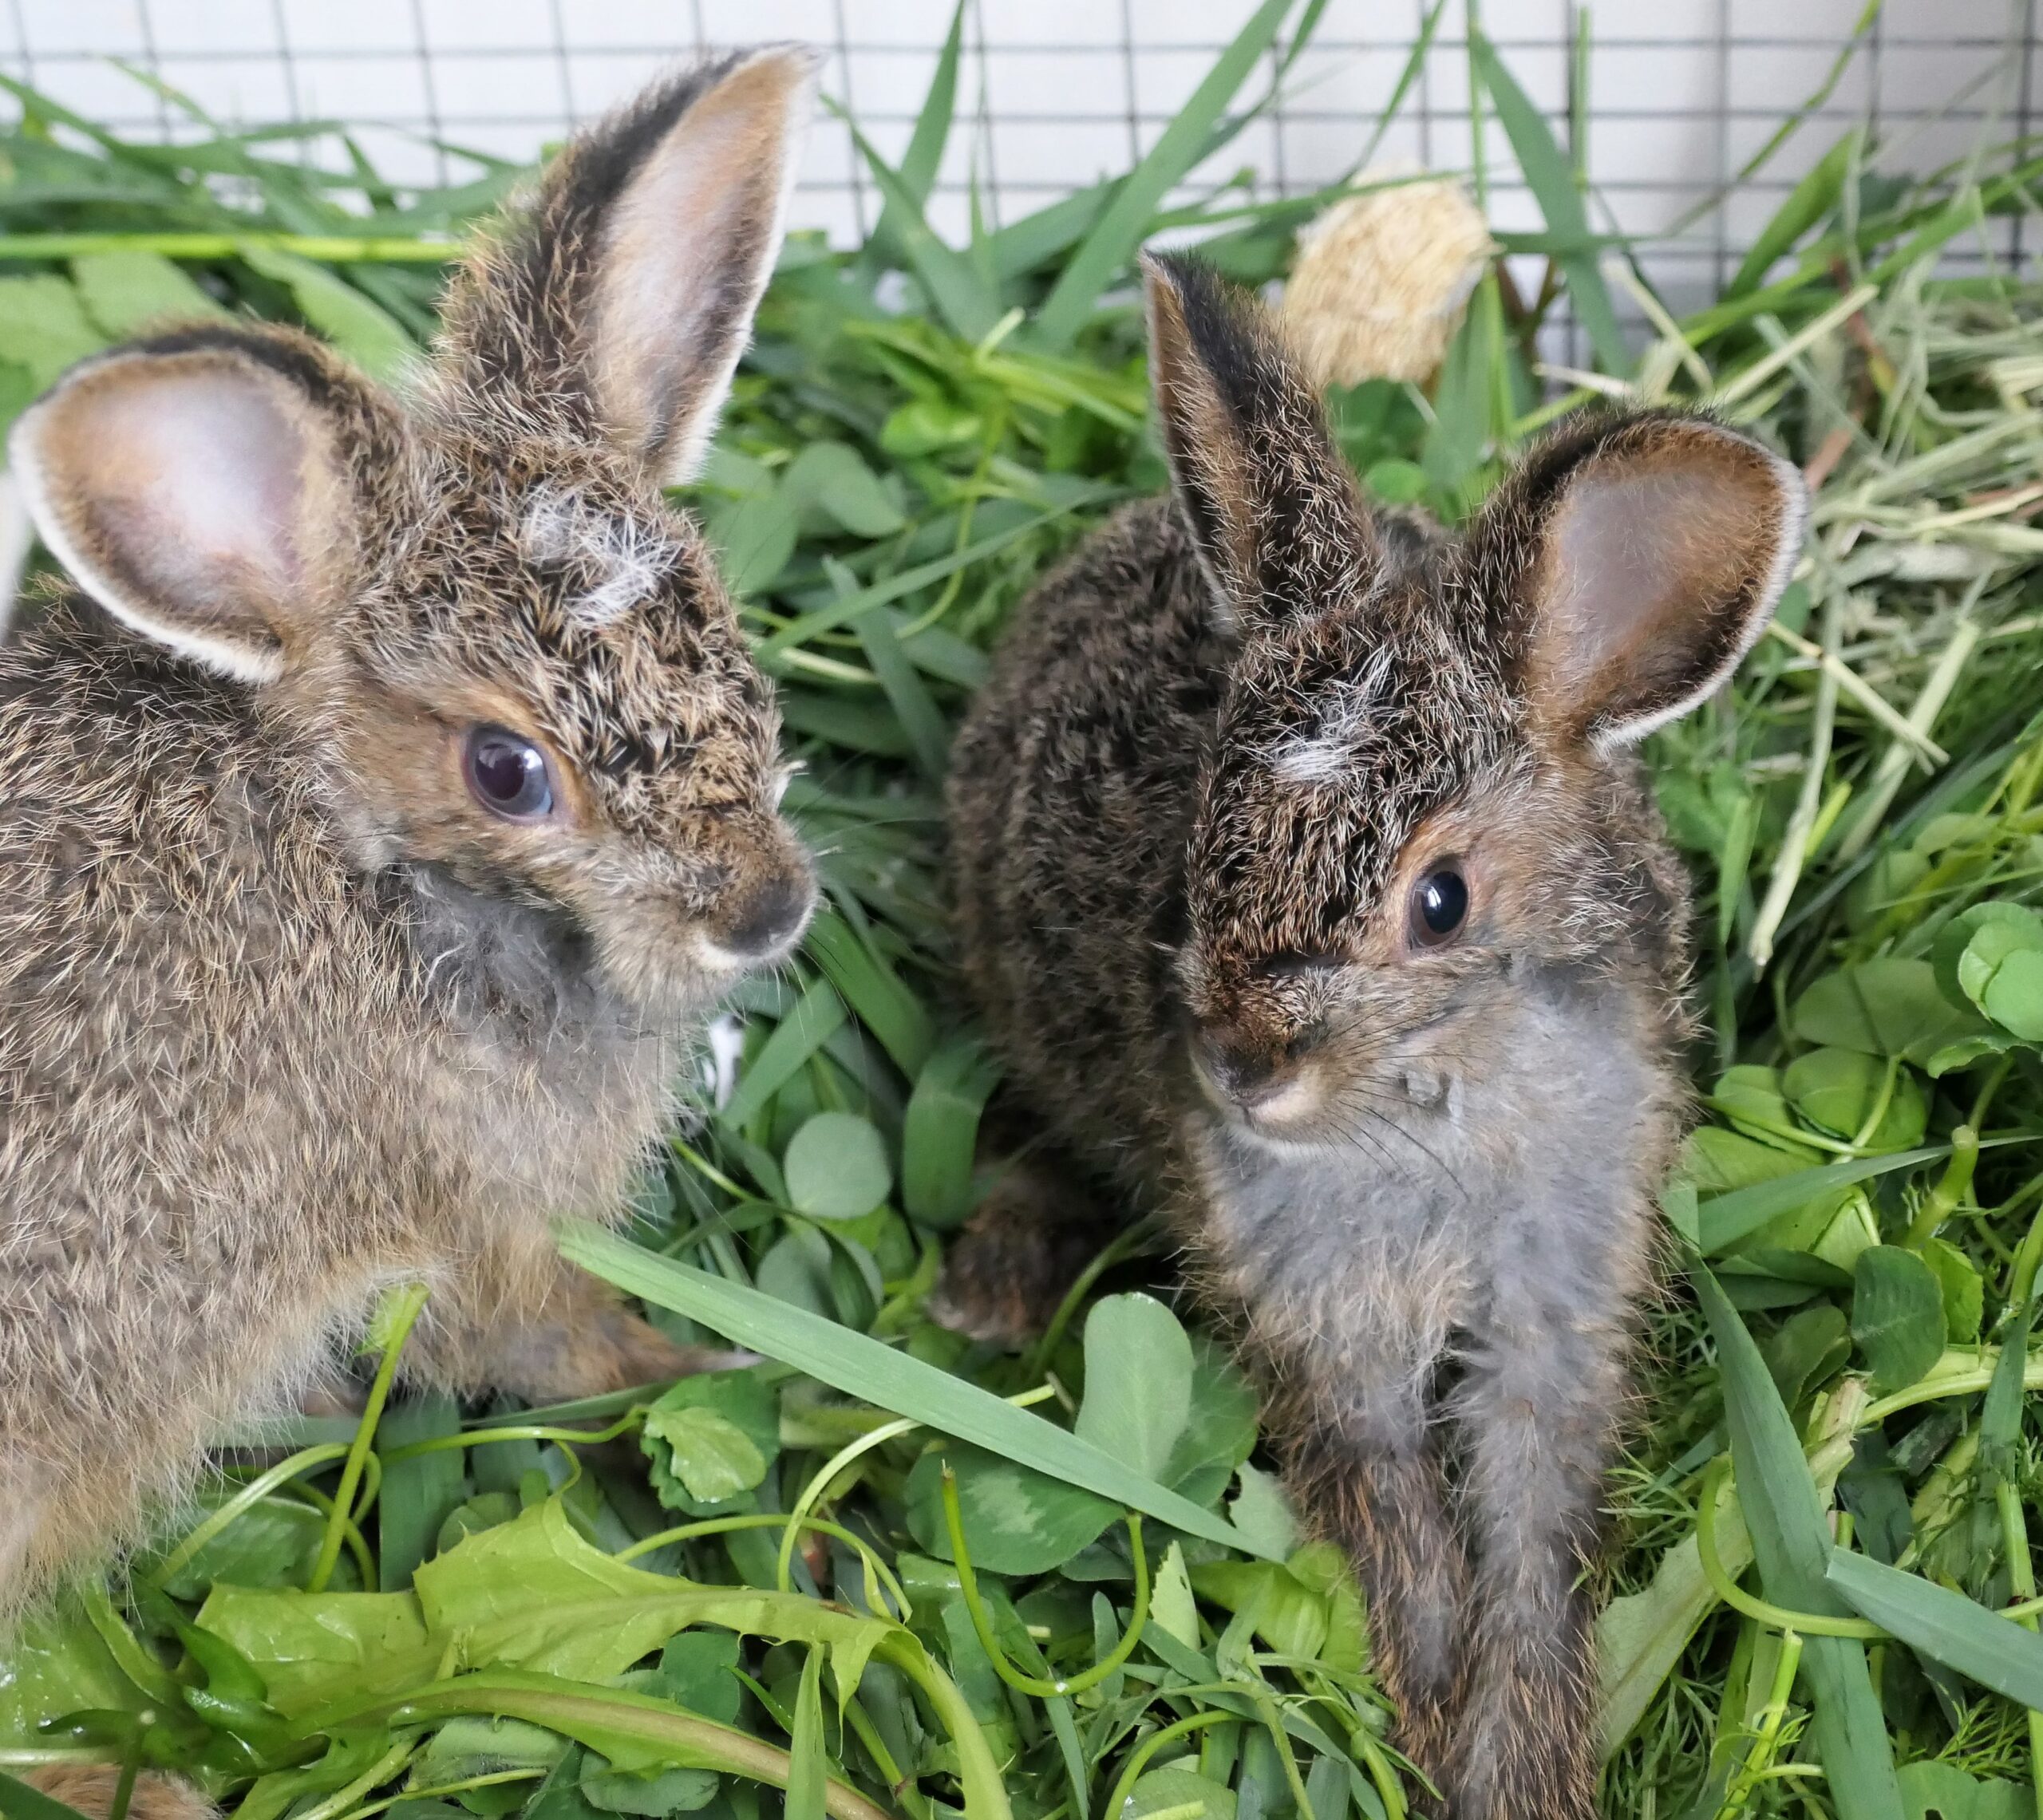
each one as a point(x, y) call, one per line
point(1440, 906)
point(507, 774)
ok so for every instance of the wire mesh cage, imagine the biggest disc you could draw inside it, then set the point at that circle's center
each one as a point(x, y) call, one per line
point(1664, 103)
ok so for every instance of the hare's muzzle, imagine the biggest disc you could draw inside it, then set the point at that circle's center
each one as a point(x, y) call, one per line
point(1265, 1084)
point(763, 918)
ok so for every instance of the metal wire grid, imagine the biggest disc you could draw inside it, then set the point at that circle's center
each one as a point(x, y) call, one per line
point(1679, 93)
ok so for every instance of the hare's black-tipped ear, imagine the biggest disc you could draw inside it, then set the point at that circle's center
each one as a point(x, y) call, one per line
point(1270, 505)
point(626, 295)
point(1632, 562)
point(195, 486)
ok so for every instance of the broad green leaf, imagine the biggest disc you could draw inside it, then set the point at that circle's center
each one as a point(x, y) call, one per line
point(1945, 1626)
point(1112, 241)
point(836, 1167)
point(833, 478)
point(2012, 996)
point(713, 1457)
point(1550, 177)
point(364, 331)
point(1138, 1382)
point(312, 1648)
point(1262, 1513)
point(1947, 953)
point(1171, 1603)
point(131, 289)
point(43, 327)
point(1810, 1345)
point(1791, 1542)
point(1016, 1520)
point(939, 1132)
point(1964, 1294)
point(1888, 1007)
point(1219, 1429)
point(1837, 1091)
point(927, 426)
point(272, 1543)
point(1897, 1315)
point(419, 1494)
point(741, 1401)
point(1180, 1792)
point(56, 1663)
point(862, 1366)
point(1932, 1786)
point(1289, 1616)
point(755, 535)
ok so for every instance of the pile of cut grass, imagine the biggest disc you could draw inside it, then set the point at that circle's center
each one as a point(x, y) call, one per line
point(1825, 1508)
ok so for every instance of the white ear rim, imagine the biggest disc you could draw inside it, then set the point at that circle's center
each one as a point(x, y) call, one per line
point(684, 460)
point(1793, 494)
point(25, 460)
point(17, 542)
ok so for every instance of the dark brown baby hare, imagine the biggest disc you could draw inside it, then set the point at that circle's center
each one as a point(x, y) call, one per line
point(1310, 888)
point(377, 821)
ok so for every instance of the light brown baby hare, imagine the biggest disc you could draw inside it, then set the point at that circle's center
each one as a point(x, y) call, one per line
point(1311, 890)
point(378, 820)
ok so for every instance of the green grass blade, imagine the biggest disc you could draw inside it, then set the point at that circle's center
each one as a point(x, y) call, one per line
point(816, 1017)
point(924, 157)
point(946, 274)
point(1947, 1627)
point(861, 1366)
point(1414, 65)
point(1550, 177)
point(807, 1778)
point(1107, 250)
point(1725, 1219)
point(1807, 203)
point(885, 1006)
point(1791, 1542)
point(19, 1801)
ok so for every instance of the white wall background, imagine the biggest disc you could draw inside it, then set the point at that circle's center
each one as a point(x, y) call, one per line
point(1055, 92)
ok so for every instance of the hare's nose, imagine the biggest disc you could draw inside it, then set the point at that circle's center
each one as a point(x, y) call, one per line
point(1241, 1072)
point(767, 917)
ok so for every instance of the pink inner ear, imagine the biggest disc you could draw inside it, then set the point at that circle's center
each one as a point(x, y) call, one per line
point(1660, 569)
point(210, 468)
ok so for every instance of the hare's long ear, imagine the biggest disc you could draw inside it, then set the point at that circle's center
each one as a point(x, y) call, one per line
point(198, 486)
point(617, 305)
point(1631, 562)
point(1270, 504)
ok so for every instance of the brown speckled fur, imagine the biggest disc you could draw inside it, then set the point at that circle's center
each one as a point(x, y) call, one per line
point(1217, 753)
point(286, 1016)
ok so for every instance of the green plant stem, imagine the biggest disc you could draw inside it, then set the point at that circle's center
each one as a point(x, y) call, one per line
point(1779, 1617)
point(1138, 1614)
point(1138, 1758)
point(244, 1501)
point(2022, 1581)
point(1124, 1245)
point(882, 1574)
point(1955, 1183)
point(378, 1772)
point(403, 1313)
point(1759, 1762)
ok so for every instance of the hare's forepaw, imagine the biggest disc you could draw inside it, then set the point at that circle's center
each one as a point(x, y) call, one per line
point(1005, 1273)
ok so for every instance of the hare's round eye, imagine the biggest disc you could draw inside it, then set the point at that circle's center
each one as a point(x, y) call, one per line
point(507, 774)
point(1440, 906)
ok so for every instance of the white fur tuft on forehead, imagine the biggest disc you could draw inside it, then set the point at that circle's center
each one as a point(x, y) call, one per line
point(1329, 752)
point(619, 562)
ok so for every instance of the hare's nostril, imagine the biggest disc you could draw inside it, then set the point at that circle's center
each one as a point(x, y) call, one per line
point(767, 917)
point(1236, 1069)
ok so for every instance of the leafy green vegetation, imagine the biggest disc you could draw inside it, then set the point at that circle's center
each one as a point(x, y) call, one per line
point(885, 1571)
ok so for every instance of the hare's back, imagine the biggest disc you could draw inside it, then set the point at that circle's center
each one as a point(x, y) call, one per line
point(1071, 793)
